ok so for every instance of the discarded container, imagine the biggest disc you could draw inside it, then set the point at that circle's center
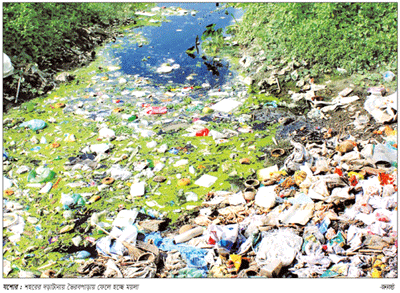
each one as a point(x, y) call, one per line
point(82, 254)
point(277, 152)
point(249, 193)
point(183, 182)
point(252, 183)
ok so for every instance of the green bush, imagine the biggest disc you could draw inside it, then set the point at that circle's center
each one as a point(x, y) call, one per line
point(34, 32)
point(354, 36)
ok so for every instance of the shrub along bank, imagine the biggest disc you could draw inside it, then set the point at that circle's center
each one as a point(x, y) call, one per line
point(355, 36)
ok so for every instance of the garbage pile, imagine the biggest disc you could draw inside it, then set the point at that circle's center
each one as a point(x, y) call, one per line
point(333, 213)
point(127, 179)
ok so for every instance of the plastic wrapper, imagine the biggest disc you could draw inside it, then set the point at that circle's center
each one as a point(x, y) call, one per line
point(318, 190)
point(371, 186)
point(340, 193)
point(206, 180)
point(100, 148)
point(322, 165)
point(125, 218)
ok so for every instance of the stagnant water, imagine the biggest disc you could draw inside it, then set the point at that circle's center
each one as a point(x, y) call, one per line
point(167, 44)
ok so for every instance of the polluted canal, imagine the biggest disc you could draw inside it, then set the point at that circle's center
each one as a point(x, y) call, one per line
point(157, 161)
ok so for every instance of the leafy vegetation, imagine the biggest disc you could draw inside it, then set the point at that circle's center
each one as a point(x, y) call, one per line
point(42, 31)
point(355, 36)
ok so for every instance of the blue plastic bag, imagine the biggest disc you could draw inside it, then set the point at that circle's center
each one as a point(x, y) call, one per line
point(35, 124)
point(193, 256)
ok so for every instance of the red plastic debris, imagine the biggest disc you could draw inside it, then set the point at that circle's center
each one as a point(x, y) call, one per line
point(203, 132)
point(353, 180)
point(156, 110)
point(385, 179)
point(339, 172)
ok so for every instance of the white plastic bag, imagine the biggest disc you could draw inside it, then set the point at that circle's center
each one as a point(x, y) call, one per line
point(8, 69)
point(281, 244)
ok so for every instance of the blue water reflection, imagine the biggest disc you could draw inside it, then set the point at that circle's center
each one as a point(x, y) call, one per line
point(168, 43)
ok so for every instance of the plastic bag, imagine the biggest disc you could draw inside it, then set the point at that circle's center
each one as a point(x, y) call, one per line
point(8, 69)
point(137, 189)
point(34, 124)
point(279, 244)
point(194, 257)
point(42, 174)
point(223, 237)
